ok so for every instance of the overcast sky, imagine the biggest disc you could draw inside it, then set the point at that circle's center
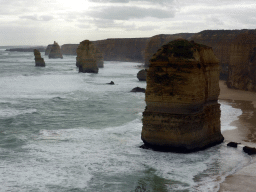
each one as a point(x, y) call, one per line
point(40, 22)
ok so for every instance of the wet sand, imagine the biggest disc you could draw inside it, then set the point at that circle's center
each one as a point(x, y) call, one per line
point(244, 179)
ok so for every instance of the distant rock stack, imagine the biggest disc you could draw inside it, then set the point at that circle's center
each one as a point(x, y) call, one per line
point(39, 61)
point(55, 51)
point(86, 60)
point(99, 57)
point(142, 74)
point(182, 112)
point(48, 49)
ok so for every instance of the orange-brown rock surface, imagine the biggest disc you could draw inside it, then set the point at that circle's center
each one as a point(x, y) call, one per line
point(86, 59)
point(55, 51)
point(242, 67)
point(39, 61)
point(182, 112)
point(157, 41)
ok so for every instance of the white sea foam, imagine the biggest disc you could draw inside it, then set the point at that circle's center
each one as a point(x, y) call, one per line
point(10, 112)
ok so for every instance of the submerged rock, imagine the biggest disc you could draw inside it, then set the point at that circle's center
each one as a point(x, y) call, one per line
point(182, 112)
point(55, 51)
point(86, 59)
point(233, 144)
point(249, 150)
point(111, 83)
point(142, 74)
point(39, 61)
point(138, 89)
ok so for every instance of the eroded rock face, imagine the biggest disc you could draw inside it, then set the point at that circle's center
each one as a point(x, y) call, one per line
point(48, 49)
point(142, 74)
point(39, 61)
point(182, 112)
point(55, 51)
point(86, 59)
point(242, 67)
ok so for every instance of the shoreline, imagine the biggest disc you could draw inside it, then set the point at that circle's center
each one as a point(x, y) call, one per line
point(245, 133)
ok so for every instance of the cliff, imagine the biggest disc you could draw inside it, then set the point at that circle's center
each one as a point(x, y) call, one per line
point(48, 49)
point(242, 67)
point(182, 112)
point(86, 60)
point(55, 51)
point(39, 61)
point(69, 49)
point(30, 49)
point(130, 49)
point(157, 41)
point(220, 41)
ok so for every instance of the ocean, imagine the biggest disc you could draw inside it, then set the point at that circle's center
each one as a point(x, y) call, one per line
point(61, 130)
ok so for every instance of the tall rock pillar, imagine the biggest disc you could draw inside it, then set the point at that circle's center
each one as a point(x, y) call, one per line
point(182, 112)
point(55, 51)
point(86, 59)
point(39, 61)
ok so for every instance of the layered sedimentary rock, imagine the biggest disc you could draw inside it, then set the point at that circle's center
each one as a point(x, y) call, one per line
point(39, 61)
point(48, 49)
point(129, 49)
point(142, 74)
point(182, 112)
point(69, 49)
point(157, 41)
point(55, 51)
point(86, 60)
point(220, 41)
point(242, 67)
point(99, 57)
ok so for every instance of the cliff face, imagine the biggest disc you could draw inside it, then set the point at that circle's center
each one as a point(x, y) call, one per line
point(242, 67)
point(157, 41)
point(55, 51)
point(131, 49)
point(39, 61)
point(220, 41)
point(86, 60)
point(48, 49)
point(182, 113)
point(69, 49)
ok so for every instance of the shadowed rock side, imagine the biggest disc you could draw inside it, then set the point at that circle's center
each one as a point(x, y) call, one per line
point(142, 74)
point(86, 60)
point(99, 57)
point(220, 41)
point(55, 51)
point(157, 41)
point(48, 49)
point(182, 112)
point(242, 67)
point(39, 61)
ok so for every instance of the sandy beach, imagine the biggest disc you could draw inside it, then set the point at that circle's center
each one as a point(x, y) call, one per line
point(245, 133)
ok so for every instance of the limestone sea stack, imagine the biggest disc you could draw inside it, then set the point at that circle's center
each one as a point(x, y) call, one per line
point(182, 112)
point(142, 74)
point(86, 60)
point(55, 51)
point(39, 61)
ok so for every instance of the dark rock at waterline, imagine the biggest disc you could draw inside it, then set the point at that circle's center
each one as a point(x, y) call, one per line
point(142, 74)
point(249, 150)
point(111, 83)
point(233, 144)
point(138, 89)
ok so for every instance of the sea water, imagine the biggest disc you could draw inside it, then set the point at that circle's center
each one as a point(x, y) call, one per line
point(61, 130)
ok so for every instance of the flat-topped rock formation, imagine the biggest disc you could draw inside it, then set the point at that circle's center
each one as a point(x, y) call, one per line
point(69, 49)
point(157, 41)
point(26, 49)
point(39, 61)
point(99, 57)
point(86, 60)
point(142, 74)
point(182, 112)
point(48, 49)
point(242, 67)
point(55, 51)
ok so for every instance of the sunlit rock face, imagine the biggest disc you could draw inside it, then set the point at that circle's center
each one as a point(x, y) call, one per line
point(39, 61)
point(86, 58)
point(242, 68)
point(55, 51)
point(182, 112)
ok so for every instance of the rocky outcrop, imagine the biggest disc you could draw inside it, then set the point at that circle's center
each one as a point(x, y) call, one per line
point(69, 49)
point(30, 49)
point(242, 67)
point(39, 61)
point(130, 49)
point(86, 60)
point(220, 41)
point(142, 74)
point(157, 41)
point(48, 49)
point(138, 89)
point(55, 51)
point(182, 112)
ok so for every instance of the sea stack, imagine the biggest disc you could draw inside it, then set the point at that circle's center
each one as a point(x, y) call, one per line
point(39, 61)
point(86, 60)
point(182, 112)
point(142, 75)
point(55, 51)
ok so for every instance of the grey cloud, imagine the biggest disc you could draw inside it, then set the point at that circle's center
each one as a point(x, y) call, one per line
point(127, 1)
point(37, 18)
point(130, 12)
